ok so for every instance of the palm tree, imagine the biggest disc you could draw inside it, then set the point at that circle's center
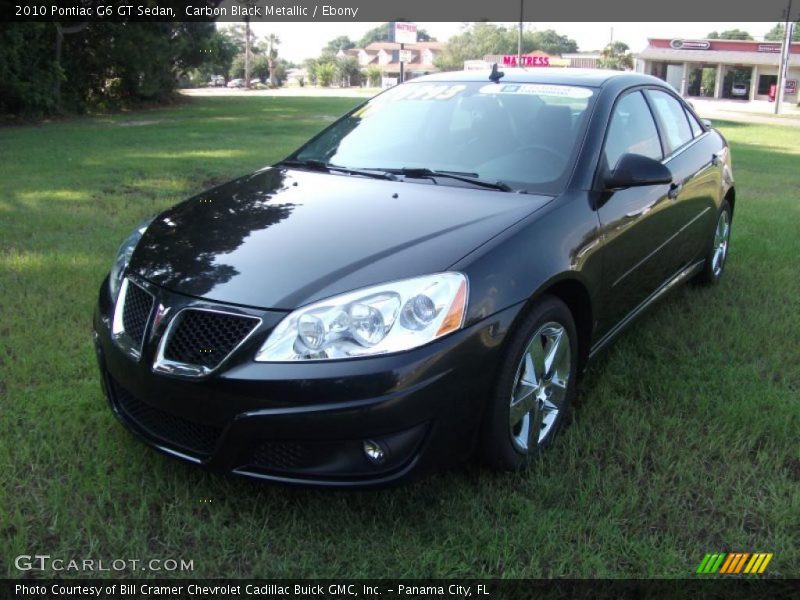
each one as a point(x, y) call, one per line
point(616, 56)
point(272, 53)
point(247, 41)
point(247, 53)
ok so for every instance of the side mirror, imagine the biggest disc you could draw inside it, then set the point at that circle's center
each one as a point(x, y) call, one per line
point(706, 122)
point(635, 170)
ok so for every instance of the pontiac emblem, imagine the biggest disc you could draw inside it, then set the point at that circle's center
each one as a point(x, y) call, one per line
point(161, 312)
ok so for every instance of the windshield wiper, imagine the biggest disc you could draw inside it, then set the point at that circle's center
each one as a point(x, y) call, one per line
point(318, 165)
point(422, 172)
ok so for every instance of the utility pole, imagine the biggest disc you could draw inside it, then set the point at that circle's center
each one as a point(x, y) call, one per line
point(519, 35)
point(785, 54)
point(402, 70)
point(247, 52)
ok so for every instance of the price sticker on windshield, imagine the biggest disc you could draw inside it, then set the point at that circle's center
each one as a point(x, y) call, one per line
point(425, 91)
point(537, 89)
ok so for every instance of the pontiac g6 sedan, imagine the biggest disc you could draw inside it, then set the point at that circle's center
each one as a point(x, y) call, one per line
point(422, 281)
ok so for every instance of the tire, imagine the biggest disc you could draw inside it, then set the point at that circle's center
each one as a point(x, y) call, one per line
point(527, 391)
point(714, 265)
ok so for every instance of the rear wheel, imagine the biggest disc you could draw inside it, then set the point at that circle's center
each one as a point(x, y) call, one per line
point(715, 259)
point(535, 386)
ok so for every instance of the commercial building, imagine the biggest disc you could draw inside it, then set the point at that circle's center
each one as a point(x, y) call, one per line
point(740, 69)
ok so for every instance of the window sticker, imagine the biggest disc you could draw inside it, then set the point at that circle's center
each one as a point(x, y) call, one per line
point(425, 91)
point(537, 89)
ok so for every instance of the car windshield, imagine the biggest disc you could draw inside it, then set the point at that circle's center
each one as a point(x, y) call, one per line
point(524, 135)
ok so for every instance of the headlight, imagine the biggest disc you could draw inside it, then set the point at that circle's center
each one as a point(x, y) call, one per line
point(377, 320)
point(124, 256)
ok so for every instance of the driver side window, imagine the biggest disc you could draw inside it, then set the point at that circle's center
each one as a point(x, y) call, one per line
point(631, 130)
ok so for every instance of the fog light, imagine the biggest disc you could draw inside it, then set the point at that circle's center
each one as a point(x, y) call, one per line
point(374, 452)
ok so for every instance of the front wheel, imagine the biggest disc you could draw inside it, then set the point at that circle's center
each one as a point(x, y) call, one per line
point(718, 253)
point(535, 386)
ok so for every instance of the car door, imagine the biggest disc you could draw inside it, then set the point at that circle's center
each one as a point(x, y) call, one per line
point(691, 156)
point(636, 222)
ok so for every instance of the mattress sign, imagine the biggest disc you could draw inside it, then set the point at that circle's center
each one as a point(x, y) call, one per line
point(510, 60)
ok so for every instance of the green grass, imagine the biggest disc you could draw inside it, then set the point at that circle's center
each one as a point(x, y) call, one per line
point(685, 439)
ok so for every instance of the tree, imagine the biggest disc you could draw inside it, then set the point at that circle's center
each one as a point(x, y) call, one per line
point(310, 65)
point(61, 31)
point(551, 42)
point(218, 56)
point(730, 34)
point(47, 67)
point(272, 53)
point(28, 72)
point(346, 70)
point(708, 81)
point(333, 47)
point(481, 39)
point(475, 42)
point(325, 72)
point(279, 68)
point(778, 33)
point(381, 34)
point(248, 39)
point(616, 56)
point(374, 74)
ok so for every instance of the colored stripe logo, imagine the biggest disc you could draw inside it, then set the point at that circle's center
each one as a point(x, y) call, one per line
point(734, 563)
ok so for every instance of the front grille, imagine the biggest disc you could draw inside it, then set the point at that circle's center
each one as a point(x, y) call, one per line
point(135, 312)
point(173, 431)
point(205, 338)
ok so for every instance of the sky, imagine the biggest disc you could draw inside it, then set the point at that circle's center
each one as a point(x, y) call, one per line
point(305, 40)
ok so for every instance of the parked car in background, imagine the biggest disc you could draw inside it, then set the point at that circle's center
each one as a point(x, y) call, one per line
point(255, 81)
point(739, 90)
point(424, 279)
point(235, 83)
point(216, 81)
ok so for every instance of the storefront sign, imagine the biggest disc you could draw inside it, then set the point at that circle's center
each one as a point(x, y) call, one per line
point(404, 33)
point(791, 86)
point(690, 44)
point(769, 48)
point(510, 60)
point(405, 56)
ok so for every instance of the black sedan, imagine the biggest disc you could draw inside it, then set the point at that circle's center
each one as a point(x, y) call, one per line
point(422, 281)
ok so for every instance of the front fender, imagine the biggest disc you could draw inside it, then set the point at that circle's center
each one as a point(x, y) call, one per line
point(559, 242)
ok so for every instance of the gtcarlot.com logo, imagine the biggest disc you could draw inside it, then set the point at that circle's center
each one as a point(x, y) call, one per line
point(734, 563)
point(44, 562)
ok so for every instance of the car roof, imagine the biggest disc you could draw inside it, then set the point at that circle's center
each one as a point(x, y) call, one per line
point(553, 75)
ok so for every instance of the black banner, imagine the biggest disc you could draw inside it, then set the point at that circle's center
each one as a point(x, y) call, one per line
point(715, 11)
point(391, 589)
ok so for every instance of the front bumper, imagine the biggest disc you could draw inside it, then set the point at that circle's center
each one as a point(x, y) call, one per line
point(307, 423)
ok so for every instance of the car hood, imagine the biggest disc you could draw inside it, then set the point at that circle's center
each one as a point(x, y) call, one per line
point(283, 238)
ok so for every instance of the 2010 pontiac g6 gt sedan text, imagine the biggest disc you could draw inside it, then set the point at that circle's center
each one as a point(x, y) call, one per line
point(425, 278)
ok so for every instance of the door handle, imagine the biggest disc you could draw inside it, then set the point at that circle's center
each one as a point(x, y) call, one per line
point(674, 189)
point(715, 159)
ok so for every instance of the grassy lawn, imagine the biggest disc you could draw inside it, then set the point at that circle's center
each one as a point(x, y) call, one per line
point(685, 440)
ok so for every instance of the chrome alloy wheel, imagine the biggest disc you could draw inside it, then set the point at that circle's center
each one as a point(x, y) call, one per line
point(721, 236)
point(540, 386)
